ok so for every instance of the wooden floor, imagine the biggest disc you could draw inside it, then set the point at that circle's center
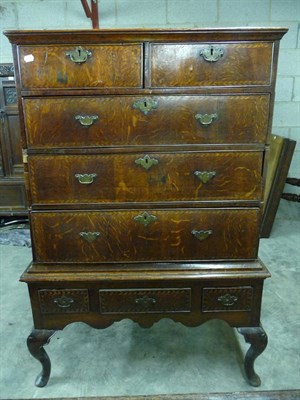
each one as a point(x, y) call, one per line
point(268, 395)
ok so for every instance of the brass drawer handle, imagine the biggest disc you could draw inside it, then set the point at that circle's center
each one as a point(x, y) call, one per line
point(211, 53)
point(227, 300)
point(89, 236)
point(206, 119)
point(145, 301)
point(63, 302)
point(86, 120)
point(145, 105)
point(146, 162)
point(145, 218)
point(202, 234)
point(79, 55)
point(85, 179)
point(205, 176)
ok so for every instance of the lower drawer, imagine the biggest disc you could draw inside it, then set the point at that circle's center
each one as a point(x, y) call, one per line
point(216, 299)
point(199, 298)
point(63, 301)
point(138, 235)
point(145, 300)
point(115, 301)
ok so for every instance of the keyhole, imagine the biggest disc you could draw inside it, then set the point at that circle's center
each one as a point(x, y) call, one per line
point(79, 52)
point(211, 51)
point(145, 104)
point(146, 160)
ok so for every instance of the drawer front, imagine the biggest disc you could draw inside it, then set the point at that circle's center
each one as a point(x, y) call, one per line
point(216, 64)
point(138, 235)
point(64, 301)
point(151, 177)
point(113, 65)
point(145, 301)
point(12, 195)
point(227, 299)
point(133, 120)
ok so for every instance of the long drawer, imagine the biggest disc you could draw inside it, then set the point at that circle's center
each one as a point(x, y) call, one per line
point(210, 64)
point(151, 120)
point(81, 66)
point(145, 235)
point(160, 177)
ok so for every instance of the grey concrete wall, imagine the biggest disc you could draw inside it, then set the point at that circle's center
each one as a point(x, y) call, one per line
point(69, 14)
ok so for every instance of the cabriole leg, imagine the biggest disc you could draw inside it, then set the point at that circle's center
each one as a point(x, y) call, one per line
point(258, 339)
point(35, 342)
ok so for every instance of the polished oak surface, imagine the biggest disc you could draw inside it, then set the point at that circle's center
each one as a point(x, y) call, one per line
point(240, 64)
point(145, 177)
point(116, 65)
point(137, 235)
point(51, 122)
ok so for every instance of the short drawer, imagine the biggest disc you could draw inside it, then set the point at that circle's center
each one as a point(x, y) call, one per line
point(152, 120)
point(145, 301)
point(145, 235)
point(150, 177)
point(211, 64)
point(215, 299)
point(63, 301)
point(85, 66)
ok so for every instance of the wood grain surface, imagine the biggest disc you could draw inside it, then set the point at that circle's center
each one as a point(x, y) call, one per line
point(112, 65)
point(243, 64)
point(118, 178)
point(234, 235)
point(51, 122)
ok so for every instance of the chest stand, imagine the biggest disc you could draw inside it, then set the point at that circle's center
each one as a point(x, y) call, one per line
point(256, 336)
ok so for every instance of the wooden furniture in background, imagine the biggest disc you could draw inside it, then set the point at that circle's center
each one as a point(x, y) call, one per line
point(279, 159)
point(144, 154)
point(12, 189)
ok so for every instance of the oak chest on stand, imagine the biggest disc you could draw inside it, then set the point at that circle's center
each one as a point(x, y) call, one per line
point(144, 163)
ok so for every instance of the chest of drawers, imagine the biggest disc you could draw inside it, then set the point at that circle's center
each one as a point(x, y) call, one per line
point(144, 162)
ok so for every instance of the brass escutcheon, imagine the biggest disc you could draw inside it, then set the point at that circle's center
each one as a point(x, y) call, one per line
point(145, 218)
point(145, 105)
point(205, 176)
point(85, 179)
point(146, 161)
point(86, 120)
point(211, 53)
point(145, 301)
point(206, 119)
point(89, 236)
point(202, 234)
point(63, 302)
point(227, 300)
point(79, 55)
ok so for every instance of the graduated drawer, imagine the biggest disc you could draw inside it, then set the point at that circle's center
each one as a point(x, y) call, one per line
point(211, 64)
point(151, 177)
point(216, 299)
point(135, 120)
point(70, 66)
point(120, 301)
point(140, 235)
